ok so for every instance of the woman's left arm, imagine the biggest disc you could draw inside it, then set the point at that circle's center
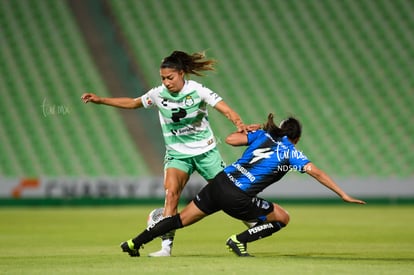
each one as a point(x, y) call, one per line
point(237, 139)
point(326, 180)
point(234, 117)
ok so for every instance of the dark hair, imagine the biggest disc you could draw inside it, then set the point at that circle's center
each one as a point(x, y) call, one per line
point(289, 127)
point(189, 63)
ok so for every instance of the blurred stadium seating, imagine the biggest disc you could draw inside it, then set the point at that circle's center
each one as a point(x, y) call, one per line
point(344, 68)
point(45, 129)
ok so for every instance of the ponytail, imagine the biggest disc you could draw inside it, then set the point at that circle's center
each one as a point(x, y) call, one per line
point(190, 63)
point(289, 127)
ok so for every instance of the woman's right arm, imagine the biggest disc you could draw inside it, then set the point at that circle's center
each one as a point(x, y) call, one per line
point(120, 102)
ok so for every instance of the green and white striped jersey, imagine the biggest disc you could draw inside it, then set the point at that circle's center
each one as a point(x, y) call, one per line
point(184, 118)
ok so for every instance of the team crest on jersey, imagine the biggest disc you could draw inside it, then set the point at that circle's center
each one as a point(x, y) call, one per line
point(188, 100)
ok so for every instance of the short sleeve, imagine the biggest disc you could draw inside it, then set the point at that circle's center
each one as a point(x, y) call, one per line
point(210, 97)
point(148, 99)
point(253, 135)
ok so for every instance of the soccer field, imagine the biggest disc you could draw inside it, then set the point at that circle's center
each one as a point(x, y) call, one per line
point(321, 239)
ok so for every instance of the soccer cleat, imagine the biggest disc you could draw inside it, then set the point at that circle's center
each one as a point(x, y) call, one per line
point(128, 247)
point(237, 247)
point(161, 253)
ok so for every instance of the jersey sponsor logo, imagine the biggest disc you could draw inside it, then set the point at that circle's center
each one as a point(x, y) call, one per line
point(261, 153)
point(244, 171)
point(165, 101)
point(178, 113)
point(186, 130)
point(234, 180)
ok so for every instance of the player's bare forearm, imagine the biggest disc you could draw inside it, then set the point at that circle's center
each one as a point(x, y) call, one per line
point(240, 138)
point(234, 117)
point(237, 121)
point(120, 102)
point(327, 181)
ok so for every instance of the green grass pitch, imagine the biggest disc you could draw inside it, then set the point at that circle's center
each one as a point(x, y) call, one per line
point(321, 239)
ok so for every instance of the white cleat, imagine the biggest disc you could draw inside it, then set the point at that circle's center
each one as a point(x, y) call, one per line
point(161, 253)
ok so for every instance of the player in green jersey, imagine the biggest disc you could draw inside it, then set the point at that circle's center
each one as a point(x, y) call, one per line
point(189, 139)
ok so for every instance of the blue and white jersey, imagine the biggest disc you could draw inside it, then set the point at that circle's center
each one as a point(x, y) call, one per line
point(264, 162)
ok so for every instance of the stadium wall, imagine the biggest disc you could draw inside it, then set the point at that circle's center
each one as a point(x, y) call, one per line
point(125, 190)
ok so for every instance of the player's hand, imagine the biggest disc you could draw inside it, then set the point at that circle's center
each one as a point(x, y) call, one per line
point(347, 198)
point(89, 97)
point(253, 127)
point(242, 128)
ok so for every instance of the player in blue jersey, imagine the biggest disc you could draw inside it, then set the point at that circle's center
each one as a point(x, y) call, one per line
point(270, 154)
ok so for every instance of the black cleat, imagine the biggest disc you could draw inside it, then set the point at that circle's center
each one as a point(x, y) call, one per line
point(237, 247)
point(128, 247)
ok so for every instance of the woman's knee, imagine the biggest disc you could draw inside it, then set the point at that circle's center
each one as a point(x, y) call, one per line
point(281, 214)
